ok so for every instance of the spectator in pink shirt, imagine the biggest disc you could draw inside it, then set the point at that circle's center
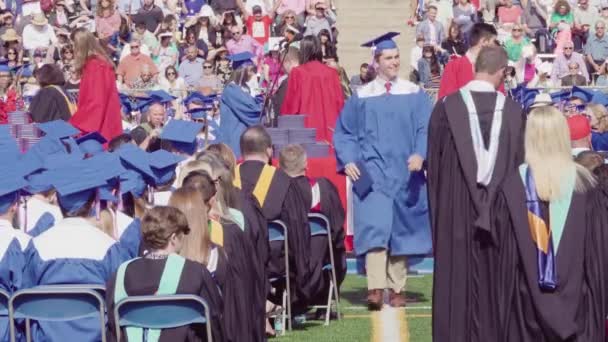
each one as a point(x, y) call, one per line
point(107, 19)
point(509, 13)
point(243, 43)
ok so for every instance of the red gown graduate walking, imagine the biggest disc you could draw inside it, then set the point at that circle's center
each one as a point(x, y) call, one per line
point(98, 101)
point(314, 89)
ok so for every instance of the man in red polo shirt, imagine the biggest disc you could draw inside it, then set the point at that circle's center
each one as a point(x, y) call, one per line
point(258, 24)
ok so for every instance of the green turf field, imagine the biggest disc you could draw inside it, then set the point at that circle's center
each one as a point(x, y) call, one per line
point(355, 326)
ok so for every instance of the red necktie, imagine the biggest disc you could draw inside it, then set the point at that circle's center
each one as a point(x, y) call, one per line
point(388, 86)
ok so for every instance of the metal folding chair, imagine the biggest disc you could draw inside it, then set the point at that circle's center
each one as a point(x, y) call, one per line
point(277, 231)
point(162, 312)
point(56, 303)
point(319, 225)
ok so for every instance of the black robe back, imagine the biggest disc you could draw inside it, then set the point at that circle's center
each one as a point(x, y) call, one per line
point(471, 253)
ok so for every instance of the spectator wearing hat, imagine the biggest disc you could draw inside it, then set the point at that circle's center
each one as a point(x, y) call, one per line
point(167, 52)
point(580, 133)
point(107, 19)
point(129, 68)
point(257, 23)
point(38, 34)
point(240, 43)
point(432, 30)
point(561, 64)
point(11, 40)
point(323, 18)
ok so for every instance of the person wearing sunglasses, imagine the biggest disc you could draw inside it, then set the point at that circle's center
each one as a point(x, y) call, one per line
point(209, 83)
point(516, 42)
point(563, 60)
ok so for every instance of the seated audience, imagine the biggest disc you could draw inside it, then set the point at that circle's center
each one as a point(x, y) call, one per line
point(574, 77)
point(429, 69)
point(561, 64)
point(453, 44)
point(430, 28)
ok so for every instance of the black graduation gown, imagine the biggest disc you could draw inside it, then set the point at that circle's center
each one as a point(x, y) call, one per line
point(331, 207)
point(284, 202)
point(142, 277)
point(48, 105)
point(470, 252)
point(576, 310)
point(239, 287)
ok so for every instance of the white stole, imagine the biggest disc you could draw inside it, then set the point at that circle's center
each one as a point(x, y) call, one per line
point(486, 158)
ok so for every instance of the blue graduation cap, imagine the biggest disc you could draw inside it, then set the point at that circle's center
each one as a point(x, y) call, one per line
point(38, 182)
point(76, 186)
point(128, 103)
point(58, 129)
point(25, 69)
point(109, 163)
point(241, 59)
point(528, 97)
point(161, 96)
point(4, 67)
point(29, 163)
point(561, 95)
point(61, 161)
point(132, 182)
point(163, 164)
point(194, 97)
point(182, 134)
point(8, 149)
point(584, 94)
point(600, 97)
point(383, 42)
point(91, 143)
point(10, 186)
point(198, 113)
point(136, 159)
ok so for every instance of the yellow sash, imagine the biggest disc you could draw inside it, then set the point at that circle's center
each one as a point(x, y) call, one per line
point(262, 185)
point(216, 232)
point(71, 106)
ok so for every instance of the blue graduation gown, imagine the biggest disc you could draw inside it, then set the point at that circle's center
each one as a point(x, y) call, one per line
point(129, 233)
point(71, 252)
point(599, 141)
point(383, 131)
point(12, 262)
point(238, 110)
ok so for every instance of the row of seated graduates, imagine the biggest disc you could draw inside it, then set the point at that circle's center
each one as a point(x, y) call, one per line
point(284, 197)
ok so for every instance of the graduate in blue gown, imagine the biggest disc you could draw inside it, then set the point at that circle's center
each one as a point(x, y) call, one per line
point(238, 108)
point(380, 142)
point(74, 250)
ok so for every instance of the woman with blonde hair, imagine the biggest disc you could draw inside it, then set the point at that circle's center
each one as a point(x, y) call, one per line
point(98, 101)
point(558, 225)
point(599, 126)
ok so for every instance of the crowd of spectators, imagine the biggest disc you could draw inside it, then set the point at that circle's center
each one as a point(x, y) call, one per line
point(549, 43)
point(179, 46)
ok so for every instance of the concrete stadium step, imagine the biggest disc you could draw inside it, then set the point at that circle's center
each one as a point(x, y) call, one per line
point(361, 20)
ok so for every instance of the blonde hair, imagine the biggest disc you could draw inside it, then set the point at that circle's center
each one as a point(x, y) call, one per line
point(197, 244)
point(214, 166)
point(86, 46)
point(549, 155)
point(224, 152)
point(601, 115)
point(193, 165)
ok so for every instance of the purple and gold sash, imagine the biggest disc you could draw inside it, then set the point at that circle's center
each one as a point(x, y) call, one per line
point(541, 235)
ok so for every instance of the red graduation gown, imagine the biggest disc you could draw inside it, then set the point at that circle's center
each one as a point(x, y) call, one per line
point(98, 102)
point(457, 73)
point(314, 89)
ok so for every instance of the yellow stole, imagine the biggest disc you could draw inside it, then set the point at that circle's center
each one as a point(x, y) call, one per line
point(262, 185)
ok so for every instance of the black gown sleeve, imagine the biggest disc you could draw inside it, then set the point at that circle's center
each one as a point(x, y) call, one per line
point(49, 105)
point(438, 132)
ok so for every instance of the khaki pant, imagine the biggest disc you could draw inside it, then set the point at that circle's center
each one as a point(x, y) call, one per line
point(384, 271)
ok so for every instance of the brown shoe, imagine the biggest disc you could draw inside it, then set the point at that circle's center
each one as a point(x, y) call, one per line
point(396, 300)
point(375, 299)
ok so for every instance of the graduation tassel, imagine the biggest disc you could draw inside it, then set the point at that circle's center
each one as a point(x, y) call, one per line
point(114, 222)
point(150, 195)
point(23, 215)
point(97, 205)
point(120, 205)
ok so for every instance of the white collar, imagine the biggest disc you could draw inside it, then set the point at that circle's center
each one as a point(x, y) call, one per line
point(480, 86)
point(5, 224)
point(578, 150)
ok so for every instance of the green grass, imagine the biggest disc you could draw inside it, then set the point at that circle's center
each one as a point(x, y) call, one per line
point(356, 325)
